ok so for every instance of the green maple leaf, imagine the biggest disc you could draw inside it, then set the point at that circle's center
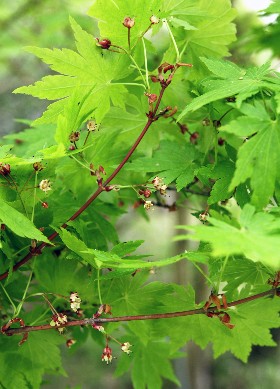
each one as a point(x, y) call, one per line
point(151, 364)
point(274, 7)
point(252, 323)
point(111, 16)
point(173, 161)
point(38, 355)
point(19, 224)
point(259, 157)
point(222, 173)
point(239, 271)
point(91, 70)
point(210, 28)
point(230, 80)
point(256, 236)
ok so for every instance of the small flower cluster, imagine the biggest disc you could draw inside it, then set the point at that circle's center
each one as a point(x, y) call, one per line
point(148, 205)
point(92, 125)
point(125, 347)
point(107, 351)
point(45, 185)
point(160, 185)
point(75, 301)
point(58, 319)
point(107, 355)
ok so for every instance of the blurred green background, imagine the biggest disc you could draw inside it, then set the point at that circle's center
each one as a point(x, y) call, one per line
point(45, 23)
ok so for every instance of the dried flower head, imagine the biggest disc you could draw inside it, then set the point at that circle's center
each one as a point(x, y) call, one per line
point(74, 136)
point(45, 185)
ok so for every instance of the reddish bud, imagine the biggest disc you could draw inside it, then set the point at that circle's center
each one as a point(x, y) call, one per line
point(3, 227)
point(217, 123)
point(193, 138)
point(147, 193)
point(128, 22)
point(152, 97)
point(101, 170)
point(154, 78)
point(108, 188)
point(163, 66)
point(70, 342)
point(5, 169)
point(37, 166)
point(221, 141)
point(71, 148)
point(45, 204)
point(104, 43)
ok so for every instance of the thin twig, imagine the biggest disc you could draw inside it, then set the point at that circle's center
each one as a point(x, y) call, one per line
point(155, 316)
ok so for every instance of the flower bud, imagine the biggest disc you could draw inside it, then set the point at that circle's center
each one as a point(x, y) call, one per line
point(5, 169)
point(37, 166)
point(154, 19)
point(193, 138)
point(128, 22)
point(104, 43)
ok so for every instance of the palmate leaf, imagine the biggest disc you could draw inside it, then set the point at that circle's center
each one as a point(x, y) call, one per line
point(20, 224)
point(173, 161)
point(102, 259)
point(257, 238)
point(212, 28)
point(229, 81)
point(35, 357)
point(111, 15)
point(259, 157)
point(222, 173)
point(252, 323)
point(89, 69)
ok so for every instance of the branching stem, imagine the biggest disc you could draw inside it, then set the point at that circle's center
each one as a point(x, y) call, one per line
point(152, 117)
point(155, 316)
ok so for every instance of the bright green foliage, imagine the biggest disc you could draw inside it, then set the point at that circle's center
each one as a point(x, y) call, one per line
point(19, 223)
point(83, 71)
point(213, 144)
point(253, 234)
point(172, 161)
point(34, 358)
point(258, 158)
point(229, 80)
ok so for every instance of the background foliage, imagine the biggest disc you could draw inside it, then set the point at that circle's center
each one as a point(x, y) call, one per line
point(219, 153)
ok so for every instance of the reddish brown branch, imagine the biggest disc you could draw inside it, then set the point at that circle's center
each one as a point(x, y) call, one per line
point(91, 321)
point(152, 116)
